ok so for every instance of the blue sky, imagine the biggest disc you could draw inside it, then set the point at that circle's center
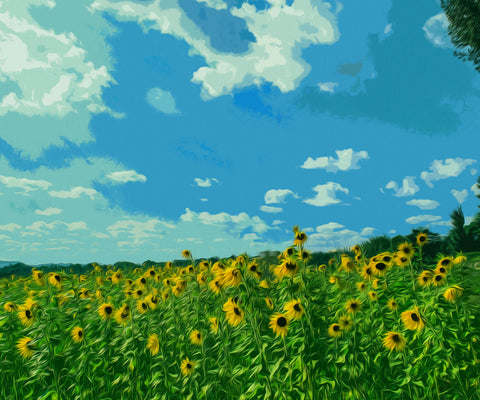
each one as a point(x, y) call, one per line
point(131, 130)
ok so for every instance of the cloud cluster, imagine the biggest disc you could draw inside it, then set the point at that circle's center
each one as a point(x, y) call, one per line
point(346, 160)
point(408, 188)
point(274, 57)
point(424, 204)
point(326, 194)
point(334, 236)
point(207, 182)
point(119, 177)
point(449, 168)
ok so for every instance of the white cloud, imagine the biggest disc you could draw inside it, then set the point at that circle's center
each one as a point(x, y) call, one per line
point(73, 193)
point(126, 176)
point(203, 199)
point(277, 222)
point(408, 188)
point(326, 194)
point(473, 171)
point(49, 211)
point(328, 86)
point(274, 57)
point(392, 231)
point(475, 189)
point(436, 31)
point(442, 223)
point(334, 236)
point(274, 196)
point(40, 226)
point(207, 182)
point(387, 29)
point(346, 160)
point(272, 210)
point(162, 100)
point(216, 4)
point(136, 231)
point(11, 227)
point(28, 185)
point(460, 195)
point(418, 219)
point(445, 169)
point(424, 204)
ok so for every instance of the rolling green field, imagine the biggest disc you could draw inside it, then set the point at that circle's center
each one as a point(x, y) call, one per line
point(384, 327)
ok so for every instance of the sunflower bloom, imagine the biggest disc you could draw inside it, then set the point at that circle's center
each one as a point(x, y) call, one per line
point(264, 284)
point(345, 322)
point(55, 280)
point(269, 303)
point(77, 334)
point(288, 268)
point(412, 320)
point(234, 314)
point(106, 311)
point(372, 295)
point(347, 263)
point(232, 276)
point(425, 278)
point(279, 324)
point(459, 259)
point(26, 316)
point(187, 367)
point(445, 262)
point(379, 268)
point(406, 249)
point(392, 304)
point(294, 309)
point(366, 272)
point(10, 307)
point(122, 314)
point(142, 306)
point(334, 330)
point(213, 325)
point(438, 279)
point(453, 293)
point(216, 285)
point(422, 239)
point(153, 344)
point(322, 268)
point(394, 341)
point(196, 337)
point(186, 254)
point(361, 286)
point(353, 305)
point(300, 238)
point(25, 347)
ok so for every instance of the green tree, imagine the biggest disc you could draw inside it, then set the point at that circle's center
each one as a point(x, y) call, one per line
point(464, 28)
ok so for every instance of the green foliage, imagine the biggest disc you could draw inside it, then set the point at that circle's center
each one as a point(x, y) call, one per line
point(464, 28)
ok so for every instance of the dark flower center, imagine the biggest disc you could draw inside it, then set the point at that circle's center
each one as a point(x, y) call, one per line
point(387, 258)
point(199, 336)
point(154, 300)
point(39, 275)
point(396, 338)
point(28, 314)
point(167, 282)
point(237, 311)
point(57, 278)
point(143, 281)
point(144, 306)
point(422, 238)
point(442, 270)
point(368, 271)
point(415, 317)
point(438, 278)
point(297, 307)
point(189, 365)
point(336, 328)
point(152, 272)
point(353, 306)
point(80, 334)
point(380, 266)
point(139, 292)
point(108, 310)
point(190, 269)
point(445, 262)
point(281, 322)
point(253, 268)
point(290, 266)
point(289, 251)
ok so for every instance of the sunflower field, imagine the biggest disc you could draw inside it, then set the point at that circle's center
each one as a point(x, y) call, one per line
point(354, 328)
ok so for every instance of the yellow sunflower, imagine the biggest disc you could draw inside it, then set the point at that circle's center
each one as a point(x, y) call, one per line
point(394, 341)
point(379, 268)
point(25, 347)
point(459, 259)
point(232, 276)
point(55, 280)
point(106, 311)
point(425, 278)
point(412, 319)
point(10, 307)
point(213, 325)
point(422, 239)
point(196, 337)
point(438, 279)
point(300, 238)
point(406, 249)
point(361, 286)
point(187, 367)
point(153, 344)
point(216, 285)
point(322, 268)
point(347, 263)
point(234, 314)
point(264, 284)
point(26, 316)
point(372, 295)
point(77, 334)
point(453, 293)
point(445, 262)
point(122, 314)
point(186, 254)
point(269, 303)
point(345, 322)
point(279, 324)
point(294, 309)
point(392, 304)
point(334, 330)
point(288, 268)
point(142, 306)
point(353, 305)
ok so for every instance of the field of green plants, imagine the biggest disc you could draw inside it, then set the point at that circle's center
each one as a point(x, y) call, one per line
point(387, 326)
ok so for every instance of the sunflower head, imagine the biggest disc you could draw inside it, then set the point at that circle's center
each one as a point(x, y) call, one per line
point(294, 309)
point(445, 263)
point(77, 334)
point(345, 322)
point(186, 254)
point(187, 367)
point(300, 238)
point(196, 337)
point(394, 341)
point(438, 279)
point(153, 344)
point(453, 293)
point(279, 324)
point(106, 311)
point(213, 325)
point(372, 295)
point(269, 303)
point(26, 316)
point(412, 320)
point(142, 306)
point(353, 305)
point(25, 347)
point(406, 249)
point(9, 306)
point(422, 239)
point(335, 330)
point(322, 268)
point(392, 304)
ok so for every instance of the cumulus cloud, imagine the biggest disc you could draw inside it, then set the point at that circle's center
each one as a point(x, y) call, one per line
point(346, 160)
point(274, 196)
point(44, 227)
point(326, 194)
point(418, 219)
point(424, 204)
point(73, 193)
point(460, 195)
point(271, 210)
point(274, 56)
point(475, 189)
point(333, 236)
point(436, 31)
point(162, 100)
point(387, 29)
point(408, 188)
point(451, 167)
point(277, 222)
point(328, 86)
point(27, 185)
point(207, 182)
point(126, 176)
point(216, 4)
point(10, 227)
point(49, 211)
